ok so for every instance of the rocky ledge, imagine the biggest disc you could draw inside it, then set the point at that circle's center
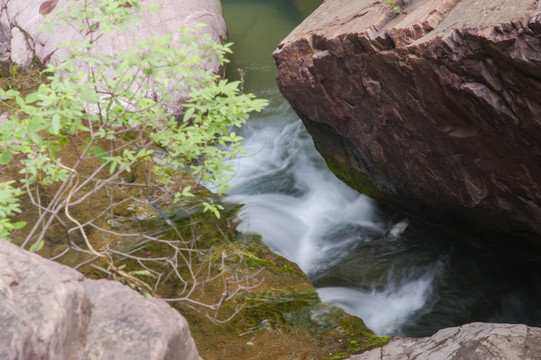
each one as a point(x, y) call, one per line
point(478, 341)
point(50, 311)
point(436, 109)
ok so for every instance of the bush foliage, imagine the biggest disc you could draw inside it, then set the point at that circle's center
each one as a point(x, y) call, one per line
point(116, 113)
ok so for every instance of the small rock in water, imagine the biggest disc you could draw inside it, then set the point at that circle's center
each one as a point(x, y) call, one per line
point(397, 230)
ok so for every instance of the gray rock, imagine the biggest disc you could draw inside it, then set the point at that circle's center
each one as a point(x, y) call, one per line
point(23, 17)
point(22, 38)
point(50, 311)
point(479, 341)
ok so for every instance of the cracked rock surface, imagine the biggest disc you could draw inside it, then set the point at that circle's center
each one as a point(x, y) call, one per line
point(50, 311)
point(436, 110)
point(479, 341)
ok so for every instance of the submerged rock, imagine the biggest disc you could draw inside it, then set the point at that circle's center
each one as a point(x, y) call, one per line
point(436, 110)
point(478, 341)
point(50, 311)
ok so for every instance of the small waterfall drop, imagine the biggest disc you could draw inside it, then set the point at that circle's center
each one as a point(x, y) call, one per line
point(307, 215)
point(401, 276)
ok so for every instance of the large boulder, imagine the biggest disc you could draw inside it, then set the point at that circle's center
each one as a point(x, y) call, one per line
point(50, 311)
point(22, 38)
point(479, 341)
point(436, 110)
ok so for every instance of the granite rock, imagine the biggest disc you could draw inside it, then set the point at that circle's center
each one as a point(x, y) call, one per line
point(50, 311)
point(479, 341)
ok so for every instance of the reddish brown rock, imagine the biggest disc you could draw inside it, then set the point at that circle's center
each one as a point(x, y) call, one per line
point(437, 109)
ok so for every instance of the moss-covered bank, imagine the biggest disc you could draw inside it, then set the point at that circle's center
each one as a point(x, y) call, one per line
point(282, 318)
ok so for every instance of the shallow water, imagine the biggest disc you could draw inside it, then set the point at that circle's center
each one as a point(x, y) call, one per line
point(403, 277)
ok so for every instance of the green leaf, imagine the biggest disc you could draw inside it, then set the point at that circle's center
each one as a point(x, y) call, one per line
point(19, 225)
point(20, 101)
point(35, 137)
point(188, 114)
point(30, 110)
point(12, 93)
point(98, 151)
point(112, 166)
point(53, 148)
point(37, 246)
point(5, 157)
point(55, 125)
point(186, 192)
point(32, 98)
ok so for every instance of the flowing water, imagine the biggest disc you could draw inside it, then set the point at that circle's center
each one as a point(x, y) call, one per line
point(401, 276)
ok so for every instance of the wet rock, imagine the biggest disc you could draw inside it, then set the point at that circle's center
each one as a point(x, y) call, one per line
point(478, 341)
point(50, 311)
point(436, 110)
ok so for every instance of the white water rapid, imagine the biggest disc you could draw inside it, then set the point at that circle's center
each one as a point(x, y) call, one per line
point(401, 276)
point(307, 215)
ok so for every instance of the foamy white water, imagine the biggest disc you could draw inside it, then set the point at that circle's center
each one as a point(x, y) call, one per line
point(401, 276)
point(291, 198)
point(384, 311)
point(304, 213)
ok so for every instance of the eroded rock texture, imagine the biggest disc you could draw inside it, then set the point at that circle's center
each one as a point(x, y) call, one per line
point(479, 341)
point(50, 311)
point(437, 109)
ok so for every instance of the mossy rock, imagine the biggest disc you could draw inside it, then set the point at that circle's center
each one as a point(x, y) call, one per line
point(283, 317)
point(355, 179)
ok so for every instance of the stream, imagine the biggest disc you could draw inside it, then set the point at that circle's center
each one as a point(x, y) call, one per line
point(401, 276)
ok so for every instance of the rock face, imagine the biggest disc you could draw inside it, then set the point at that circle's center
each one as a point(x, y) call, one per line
point(437, 109)
point(50, 311)
point(21, 21)
point(479, 341)
point(22, 38)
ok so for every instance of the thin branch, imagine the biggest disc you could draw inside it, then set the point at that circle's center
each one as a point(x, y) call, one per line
point(68, 215)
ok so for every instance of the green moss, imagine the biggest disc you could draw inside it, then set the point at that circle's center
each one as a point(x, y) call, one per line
point(283, 304)
point(303, 311)
point(258, 255)
point(366, 343)
point(341, 356)
point(355, 179)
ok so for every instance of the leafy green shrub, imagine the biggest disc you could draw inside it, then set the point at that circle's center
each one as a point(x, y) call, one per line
point(114, 113)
